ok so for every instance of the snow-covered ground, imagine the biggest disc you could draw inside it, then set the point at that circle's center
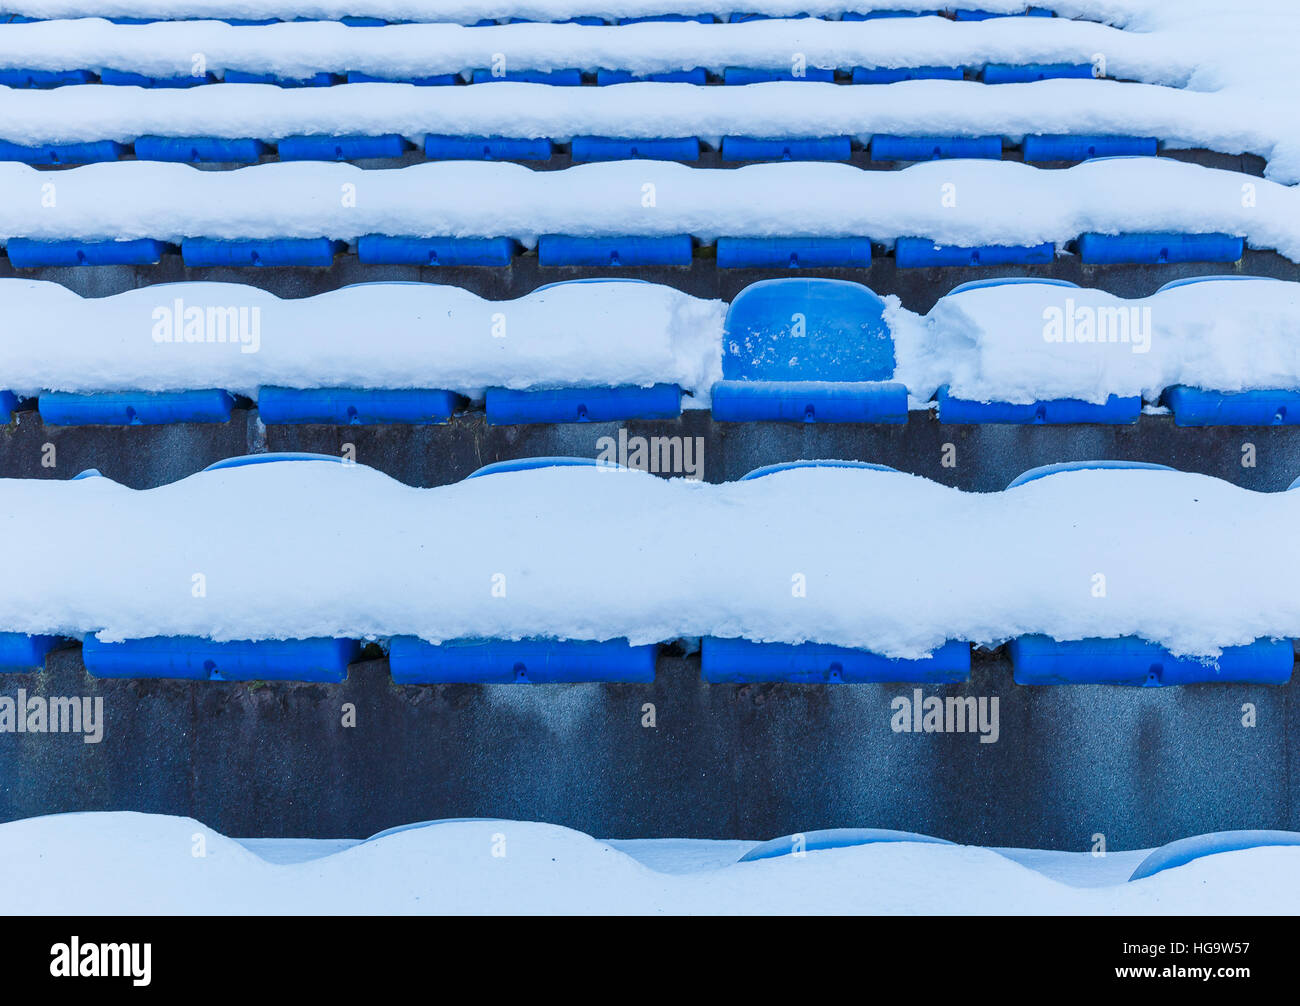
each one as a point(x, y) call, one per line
point(888, 561)
point(126, 863)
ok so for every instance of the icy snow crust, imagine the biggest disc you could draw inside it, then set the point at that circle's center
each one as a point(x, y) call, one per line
point(129, 863)
point(986, 344)
point(892, 562)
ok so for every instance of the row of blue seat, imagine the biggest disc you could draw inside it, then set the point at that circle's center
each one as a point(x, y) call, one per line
point(1036, 659)
point(621, 251)
point(1036, 148)
point(989, 73)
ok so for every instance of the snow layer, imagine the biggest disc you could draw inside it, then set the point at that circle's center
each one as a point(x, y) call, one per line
point(376, 335)
point(128, 863)
point(892, 562)
point(1012, 343)
point(996, 202)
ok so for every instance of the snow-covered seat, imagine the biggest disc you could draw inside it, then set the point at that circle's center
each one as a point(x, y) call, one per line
point(1261, 407)
point(414, 661)
point(833, 838)
point(1187, 850)
point(199, 659)
point(808, 350)
point(1128, 660)
point(921, 253)
point(441, 147)
point(134, 408)
point(1024, 73)
point(31, 253)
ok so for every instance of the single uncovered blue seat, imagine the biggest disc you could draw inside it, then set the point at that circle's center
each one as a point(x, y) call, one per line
point(984, 15)
point(134, 408)
point(749, 148)
point(793, 253)
point(438, 147)
point(1128, 660)
point(873, 15)
point(355, 406)
point(1186, 850)
point(741, 75)
point(1159, 248)
point(564, 249)
point(18, 77)
point(808, 350)
point(894, 74)
point(740, 661)
point(1082, 147)
point(557, 78)
point(198, 659)
point(198, 252)
point(921, 253)
point(21, 653)
point(1199, 407)
point(1235, 277)
point(127, 78)
point(340, 148)
point(29, 253)
point(425, 80)
point(1057, 411)
point(506, 406)
point(885, 147)
point(833, 838)
point(323, 79)
point(381, 249)
point(413, 661)
point(605, 148)
point(61, 153)
point(698, 76)
point(1012, 73)
point(199, 149)
point(981, 284)
point(1102, 464)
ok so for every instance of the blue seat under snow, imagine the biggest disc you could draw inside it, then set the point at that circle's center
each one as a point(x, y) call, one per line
point(1040, 660)
point(698, 76)
point(266, 252)
point(919, 253)
point(61, 153)
point(984, 15)
point(563, 249)
point(199, 149)
point(740, 660)
point(268, 458)
point(355, 406)
point(8, 402)
point(1081, 147)
point(125, 78)
point(380, 249)
point(558, 78)
point(414, 661)
point(894, 74)
point(340, 148)
point(486, 148)
point(793, 253)
point(21, 653)
point(1197, 407)
point(928, 148)
point(18, 77)
point(198, 659)
point(534, 464)
point(134, 408)
point(1158, 248)
point(28, 253)
point(1105, 464)
point(322, 79)
point(1115, 410)
point(426, 80)
point(748, 148)
point(508, 407)
point(1186, 850)
point(808, 350)
point(833, 838)
point(605, 148)
point(1024, 73)
point(740, 75)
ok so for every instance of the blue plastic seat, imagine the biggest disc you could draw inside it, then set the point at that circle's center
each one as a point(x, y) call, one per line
point(27, 253)
point(740, 661)
point(355, 406)
point(17, 77)
point(426, 80)
point(1040, 660)
point(61, 153)
point(1197, 407)
point(197, 659)
point(741, 75)
point(414, 661)
point(380, 249)
point(808, 350)
point(605, 148)
point(322, 79)
point(894, 74)
point(486, 148)
point(22, 654)
point(981, 284)
point(793, 253)
point(534, 464)
point(268, 252)
point(125, 78)
point(876, 15)
point(1174, 284)
point(919, 253)
point(507, 407)
point(199, 149)
point(270, 458)
point(1056, 411)
point(833, 838)
point(788, 466)
point(1187, 850)
point(1102, 464)
point(563, 249)
point(8, 402)
point(929, 148)
point(984, 15)
point(749, 148)
point(1012, 73)
point(675, 18)
point(340, 148)
point(557, 78)
point(1159, 248)
point(1082, 147)
point(698, 76)
point(134, 408)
